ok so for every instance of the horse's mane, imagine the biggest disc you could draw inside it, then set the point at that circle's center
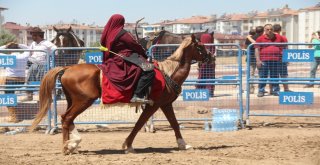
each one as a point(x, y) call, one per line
point(77, 39)
point(169, 65)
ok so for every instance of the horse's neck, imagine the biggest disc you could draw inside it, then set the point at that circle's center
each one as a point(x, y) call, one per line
point(182, 71)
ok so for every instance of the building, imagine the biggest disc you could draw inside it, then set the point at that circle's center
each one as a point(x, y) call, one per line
point(89, 34)
point(146, 28)
point(309, 21)
point(21, 32)
point(286, 17)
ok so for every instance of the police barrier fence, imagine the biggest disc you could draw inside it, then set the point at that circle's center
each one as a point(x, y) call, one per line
point(294, 70)
point(16, 110)
point(214, 85)
point(195, 105)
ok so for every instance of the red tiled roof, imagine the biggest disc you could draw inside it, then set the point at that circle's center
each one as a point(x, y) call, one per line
point(14, 26)
point(311, 8)
point(191, 20)
point(74, 26)
point(234, 17)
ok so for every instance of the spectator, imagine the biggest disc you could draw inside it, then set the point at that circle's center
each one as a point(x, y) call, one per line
point(15, 75)
point(268, 58)
point(38, 59)
point(251, 38)
point(207, 70)
point(314, 65)
point(283, 69)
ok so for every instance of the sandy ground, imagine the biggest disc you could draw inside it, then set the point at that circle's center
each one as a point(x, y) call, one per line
point(268, 141)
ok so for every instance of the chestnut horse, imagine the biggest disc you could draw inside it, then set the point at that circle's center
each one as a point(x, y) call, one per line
point(81, 84)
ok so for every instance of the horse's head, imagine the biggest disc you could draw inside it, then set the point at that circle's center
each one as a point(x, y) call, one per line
point(66, 38)
point(199, 51)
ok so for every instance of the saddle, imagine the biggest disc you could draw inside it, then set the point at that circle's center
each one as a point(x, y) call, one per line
point(139, 61)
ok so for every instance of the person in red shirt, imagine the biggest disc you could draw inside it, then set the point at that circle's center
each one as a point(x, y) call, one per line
point(268, 58)
point(122, 74)
point(207, 70)
point(283, 70)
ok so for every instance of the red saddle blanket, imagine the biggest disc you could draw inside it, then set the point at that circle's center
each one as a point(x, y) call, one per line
point(111, 95)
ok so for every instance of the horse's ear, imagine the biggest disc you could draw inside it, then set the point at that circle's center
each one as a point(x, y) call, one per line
point(193, 37)
point(55, 29)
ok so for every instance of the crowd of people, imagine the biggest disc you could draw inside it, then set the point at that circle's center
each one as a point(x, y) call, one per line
point(268, 58)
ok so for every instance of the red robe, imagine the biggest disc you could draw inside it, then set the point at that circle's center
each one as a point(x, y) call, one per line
point(120, 76)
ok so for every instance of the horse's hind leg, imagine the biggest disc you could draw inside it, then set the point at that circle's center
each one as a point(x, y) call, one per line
point(168, 112)
point(71, 137)
point(145, 115)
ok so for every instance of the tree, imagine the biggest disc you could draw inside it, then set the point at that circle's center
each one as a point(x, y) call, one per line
point(6, 37)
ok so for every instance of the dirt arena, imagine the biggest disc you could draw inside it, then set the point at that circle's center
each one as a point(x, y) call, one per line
point(270, 141)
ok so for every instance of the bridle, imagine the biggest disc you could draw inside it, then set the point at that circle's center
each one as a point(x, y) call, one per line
point(201, 51)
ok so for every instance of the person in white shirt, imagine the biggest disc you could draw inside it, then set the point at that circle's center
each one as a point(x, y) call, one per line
point(38, 59)
point(15, 75)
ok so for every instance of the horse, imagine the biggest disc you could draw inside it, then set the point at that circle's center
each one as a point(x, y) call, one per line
point(67, 38)
point(81, 84)
point(166, 37)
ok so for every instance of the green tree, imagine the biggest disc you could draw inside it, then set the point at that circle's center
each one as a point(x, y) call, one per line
point(6, 37)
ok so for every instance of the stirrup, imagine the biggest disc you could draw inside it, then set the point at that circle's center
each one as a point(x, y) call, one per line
point(141, 100)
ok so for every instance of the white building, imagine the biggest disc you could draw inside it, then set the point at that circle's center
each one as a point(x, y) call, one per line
point(182, 26)
point(309, 21)
point(146, 29)
point(89, 34)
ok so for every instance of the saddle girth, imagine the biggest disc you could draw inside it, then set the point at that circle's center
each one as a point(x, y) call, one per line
point(173, 85)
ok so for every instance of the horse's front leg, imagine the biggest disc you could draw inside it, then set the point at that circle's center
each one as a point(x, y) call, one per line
point(168, 112)
point(145, 115)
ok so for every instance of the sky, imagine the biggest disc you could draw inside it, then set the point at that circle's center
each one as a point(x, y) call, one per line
point(97, 12)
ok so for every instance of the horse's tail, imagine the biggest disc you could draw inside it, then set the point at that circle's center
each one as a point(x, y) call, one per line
point(45, 94)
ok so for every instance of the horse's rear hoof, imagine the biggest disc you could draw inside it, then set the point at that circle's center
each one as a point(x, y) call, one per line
point(187, 147)
point(182, 145)
point(130, 151)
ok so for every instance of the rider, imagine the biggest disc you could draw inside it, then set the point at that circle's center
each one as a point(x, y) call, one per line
point(122, 74)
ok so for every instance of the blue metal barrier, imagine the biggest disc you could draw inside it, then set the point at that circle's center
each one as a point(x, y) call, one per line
point(298, 75)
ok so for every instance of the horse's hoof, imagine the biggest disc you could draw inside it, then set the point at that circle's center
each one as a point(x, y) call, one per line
point(130, 151)
point(66, 151)
point(187, 147)
point(182, 145)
